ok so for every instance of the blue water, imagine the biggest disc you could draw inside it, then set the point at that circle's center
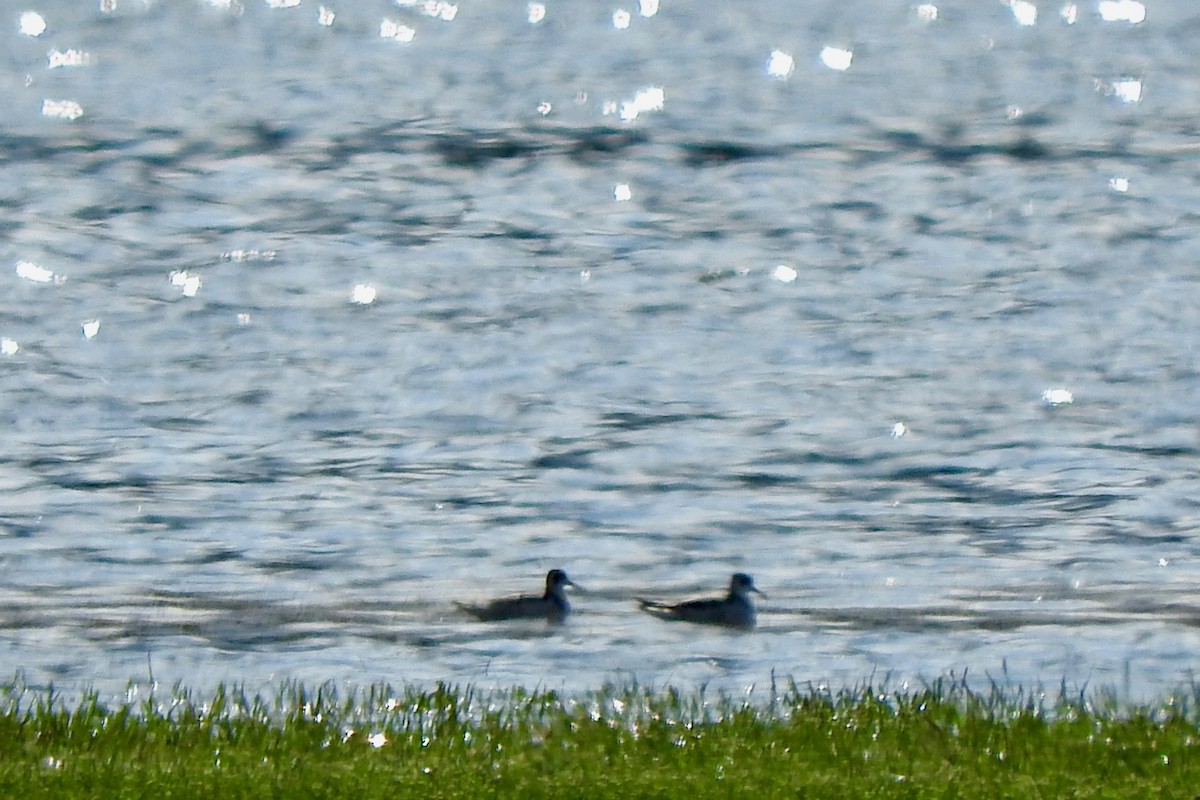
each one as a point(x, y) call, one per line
point(307, 332)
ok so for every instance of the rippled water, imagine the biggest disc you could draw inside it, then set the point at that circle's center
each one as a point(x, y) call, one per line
point(308, 331)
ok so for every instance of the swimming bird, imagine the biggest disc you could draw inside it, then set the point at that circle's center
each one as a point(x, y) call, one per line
point(551, 606)
point(734, 610)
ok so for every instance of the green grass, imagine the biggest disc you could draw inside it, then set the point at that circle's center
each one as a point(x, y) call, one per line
point(942, 741)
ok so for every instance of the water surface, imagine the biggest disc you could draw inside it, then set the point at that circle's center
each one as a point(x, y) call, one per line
point(248, 473)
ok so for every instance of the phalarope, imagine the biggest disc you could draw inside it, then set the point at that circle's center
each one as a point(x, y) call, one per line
point(734, 610)
point(551, 606)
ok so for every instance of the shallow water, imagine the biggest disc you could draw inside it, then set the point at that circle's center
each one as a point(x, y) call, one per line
point(248, 473)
